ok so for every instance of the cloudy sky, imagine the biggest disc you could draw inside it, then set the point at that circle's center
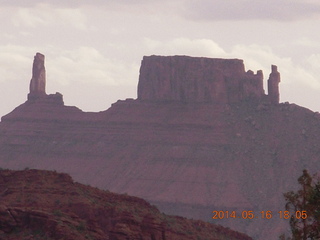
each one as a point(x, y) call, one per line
point(94, 48)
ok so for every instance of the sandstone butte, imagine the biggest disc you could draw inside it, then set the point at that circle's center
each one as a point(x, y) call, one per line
point(38, 204)
point(202, 136)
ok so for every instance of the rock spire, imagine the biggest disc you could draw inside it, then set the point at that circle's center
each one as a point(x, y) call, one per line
point(38, 80)
point(273, 85)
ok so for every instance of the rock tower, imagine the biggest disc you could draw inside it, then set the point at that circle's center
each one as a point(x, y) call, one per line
point(38, 84)
point(38, 80)
point(273, 85)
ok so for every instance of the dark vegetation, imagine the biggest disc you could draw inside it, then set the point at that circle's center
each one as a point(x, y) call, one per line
point(304, 207)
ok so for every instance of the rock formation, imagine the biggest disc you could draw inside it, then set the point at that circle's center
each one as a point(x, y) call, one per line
point(48, 205)
point(273, 85)
point(38, 80)
point(201, 80)
point(241, 152)
point(38, 84)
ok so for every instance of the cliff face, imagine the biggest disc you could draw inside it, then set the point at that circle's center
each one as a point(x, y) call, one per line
point(187, 157)
point(202, 80)
point(47, 205)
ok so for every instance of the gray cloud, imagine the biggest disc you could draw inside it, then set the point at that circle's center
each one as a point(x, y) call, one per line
point(279, 10)
point(32, 3)
point(73, 4)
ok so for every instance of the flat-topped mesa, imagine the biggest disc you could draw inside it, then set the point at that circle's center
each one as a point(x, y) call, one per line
point(200, 80)
point(38, 83)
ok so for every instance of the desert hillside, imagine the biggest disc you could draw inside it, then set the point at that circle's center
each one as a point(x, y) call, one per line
point(39, 204)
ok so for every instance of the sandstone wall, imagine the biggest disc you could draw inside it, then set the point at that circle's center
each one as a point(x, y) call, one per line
point(197, 79)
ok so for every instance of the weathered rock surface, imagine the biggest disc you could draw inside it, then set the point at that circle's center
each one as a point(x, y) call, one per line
point(273, 85)
point(202, 80)
point(38, 84)
point(38, 80)
point(48, 205)
point(188, 158)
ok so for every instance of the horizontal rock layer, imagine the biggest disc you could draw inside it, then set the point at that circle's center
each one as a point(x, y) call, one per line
point(189, 159)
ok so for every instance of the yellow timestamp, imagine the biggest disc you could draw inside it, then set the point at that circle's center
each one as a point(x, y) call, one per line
point(261, 214)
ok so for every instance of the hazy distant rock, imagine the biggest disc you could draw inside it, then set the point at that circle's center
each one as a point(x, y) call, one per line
point(182, 152)
point(201, 80)
point(38, 83)
point(273, 84)
point(38, 80)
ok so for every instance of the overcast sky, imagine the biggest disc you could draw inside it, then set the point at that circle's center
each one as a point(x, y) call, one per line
point(94, 48)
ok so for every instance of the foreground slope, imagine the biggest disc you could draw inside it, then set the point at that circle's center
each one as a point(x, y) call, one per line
point(48, 205)
point(202, 136)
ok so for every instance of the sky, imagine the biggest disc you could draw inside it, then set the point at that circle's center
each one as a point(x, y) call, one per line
point(94, 48)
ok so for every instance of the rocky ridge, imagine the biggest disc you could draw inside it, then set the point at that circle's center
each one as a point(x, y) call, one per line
point(187, 155)
point(48, 205)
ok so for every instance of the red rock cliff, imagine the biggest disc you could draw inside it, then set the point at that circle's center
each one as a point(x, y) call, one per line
point(198, 79)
